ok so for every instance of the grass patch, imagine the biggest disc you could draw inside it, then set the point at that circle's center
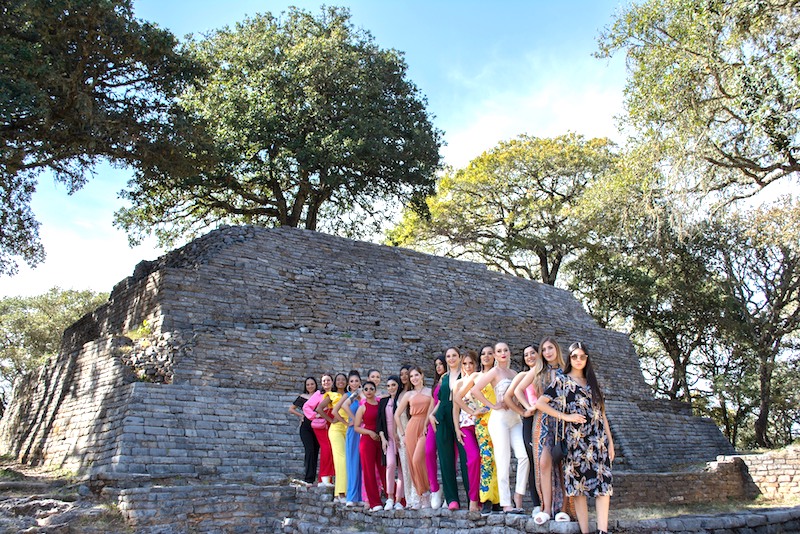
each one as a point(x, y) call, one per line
point(107, 518)
point(8, 475)
point(710, 508)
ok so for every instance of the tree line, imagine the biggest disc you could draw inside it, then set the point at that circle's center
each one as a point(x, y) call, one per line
point(303, 120)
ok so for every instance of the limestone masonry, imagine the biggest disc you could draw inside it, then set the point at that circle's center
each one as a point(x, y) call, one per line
point(190, 367)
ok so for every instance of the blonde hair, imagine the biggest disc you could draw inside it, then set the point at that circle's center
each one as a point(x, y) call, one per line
point(541, 371)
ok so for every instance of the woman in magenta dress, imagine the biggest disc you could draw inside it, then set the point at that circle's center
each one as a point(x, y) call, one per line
point(366, 424)
point(431, 452)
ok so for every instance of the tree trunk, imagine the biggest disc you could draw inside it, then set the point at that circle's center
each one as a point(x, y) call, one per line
point(765, 396)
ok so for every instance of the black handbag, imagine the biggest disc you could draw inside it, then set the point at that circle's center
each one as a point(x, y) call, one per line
point(559, 450)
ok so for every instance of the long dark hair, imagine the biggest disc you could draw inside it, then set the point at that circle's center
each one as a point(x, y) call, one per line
point(591, 378)
point(480, 359)
point(436, 375)
point(334, 388)
point(407, 386)
point(350, 375)
point(316, 384)
point(397, 393)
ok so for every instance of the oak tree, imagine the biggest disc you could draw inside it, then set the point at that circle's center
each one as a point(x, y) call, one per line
point(510, 208)
point(297, 121)
point(714, 87)
point(80, 81)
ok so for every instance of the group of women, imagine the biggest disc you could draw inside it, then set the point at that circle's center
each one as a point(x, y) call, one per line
point(477, 411)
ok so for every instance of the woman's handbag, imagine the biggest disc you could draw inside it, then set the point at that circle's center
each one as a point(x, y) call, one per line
point(559, 450)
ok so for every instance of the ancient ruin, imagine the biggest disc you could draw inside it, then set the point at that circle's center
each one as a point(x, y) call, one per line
point(188, 370)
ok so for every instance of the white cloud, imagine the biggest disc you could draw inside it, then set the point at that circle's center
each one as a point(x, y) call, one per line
point(95, 259)
point(546, 111)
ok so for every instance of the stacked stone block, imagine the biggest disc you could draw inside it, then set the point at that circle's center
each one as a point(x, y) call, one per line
point(775, 474)
point(244, 313)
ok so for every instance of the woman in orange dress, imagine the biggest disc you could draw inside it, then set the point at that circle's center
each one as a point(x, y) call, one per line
point(420, 401)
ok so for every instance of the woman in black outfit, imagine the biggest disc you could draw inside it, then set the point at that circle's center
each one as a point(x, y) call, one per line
point(310, 443)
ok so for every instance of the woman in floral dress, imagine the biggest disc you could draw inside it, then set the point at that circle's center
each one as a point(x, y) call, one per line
point(587, 467)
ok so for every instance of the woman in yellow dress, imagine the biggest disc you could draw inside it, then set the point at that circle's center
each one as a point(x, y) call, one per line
point(336, 433)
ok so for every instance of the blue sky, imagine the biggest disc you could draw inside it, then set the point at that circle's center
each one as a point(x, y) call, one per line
point(490, 72)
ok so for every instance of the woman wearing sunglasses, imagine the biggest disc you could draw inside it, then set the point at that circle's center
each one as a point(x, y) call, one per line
point(590, 447)
point(366, 424)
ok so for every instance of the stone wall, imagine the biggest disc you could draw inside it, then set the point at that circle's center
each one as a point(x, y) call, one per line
point(776, 474)
point(719, 481)
point(243, 314)
point(207, 508)
point(69, 414)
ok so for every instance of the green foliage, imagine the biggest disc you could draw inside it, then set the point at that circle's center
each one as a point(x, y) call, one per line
point(142, 332)
point(296, 122)
point(511, 207)
point(714, 88)
point(31, 327)
point(80, 80)
point(713, 306)
point(757, 254)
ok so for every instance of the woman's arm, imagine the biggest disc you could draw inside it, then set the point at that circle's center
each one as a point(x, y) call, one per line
point(510, 400)
point(457, 410)
point(543, 404)
point(607, 427)
point(398, 428)
point(432, 409)
point(432, 406)
point(347, 406)
point(336, 415)
point(357, 424)
point(310, 407)
point(519, 392)
point(461, 390)
point(478, 395)
point(321, 410)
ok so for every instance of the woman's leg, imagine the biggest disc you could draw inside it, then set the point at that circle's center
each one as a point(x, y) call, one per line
point(430, 459)
point(409, 491)
point(601, 504)
point(370, 451)
point(546, 481)
point(353, 466)
point(445, 448)
point(582, 509)
point(311, 448)
point(523, 466)
point(391, 470)
point(498, 430)
point(488, 484)
point(337, 434)
point(325, 453)
point(527, 438)
point(473, 454)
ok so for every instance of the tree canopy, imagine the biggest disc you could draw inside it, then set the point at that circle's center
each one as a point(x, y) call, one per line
point(298, 120)
point(510, 207)
point(80, 80)
point(714, 87)
point(31, 327)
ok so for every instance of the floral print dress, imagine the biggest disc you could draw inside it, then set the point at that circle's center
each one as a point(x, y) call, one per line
point(587, 467)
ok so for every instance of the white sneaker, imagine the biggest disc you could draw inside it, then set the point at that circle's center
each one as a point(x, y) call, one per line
point(561, 517)
point(376, 508)
point(389, 504)
point(349, 504)
point(399, 506)
point(436, 499)
point(536, 510)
